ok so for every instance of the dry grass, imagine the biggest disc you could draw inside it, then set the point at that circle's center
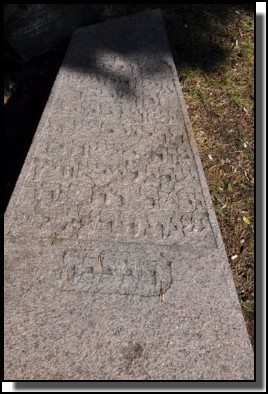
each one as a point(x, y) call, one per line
point(221, 109)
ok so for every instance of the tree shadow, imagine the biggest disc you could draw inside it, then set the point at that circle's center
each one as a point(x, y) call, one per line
point(197, 34)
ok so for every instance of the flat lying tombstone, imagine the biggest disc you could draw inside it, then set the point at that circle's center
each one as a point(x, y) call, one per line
point(115, 267)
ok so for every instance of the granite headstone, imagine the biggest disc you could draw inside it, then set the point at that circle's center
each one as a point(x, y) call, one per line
point(114, 263)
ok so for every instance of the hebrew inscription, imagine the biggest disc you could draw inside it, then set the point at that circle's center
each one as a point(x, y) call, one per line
point(112, 272)
point(113, 159)
point(128, 182)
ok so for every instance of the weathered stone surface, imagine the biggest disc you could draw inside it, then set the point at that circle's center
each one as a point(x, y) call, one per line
point(111, 207)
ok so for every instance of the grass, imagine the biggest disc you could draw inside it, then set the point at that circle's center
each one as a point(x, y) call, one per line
point(213, 49)
point(223, 124)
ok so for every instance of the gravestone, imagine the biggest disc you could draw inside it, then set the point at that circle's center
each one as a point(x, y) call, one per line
point(115, 267)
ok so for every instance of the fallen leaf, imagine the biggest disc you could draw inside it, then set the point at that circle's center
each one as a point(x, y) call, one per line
point(229, 187)
point(246, 220)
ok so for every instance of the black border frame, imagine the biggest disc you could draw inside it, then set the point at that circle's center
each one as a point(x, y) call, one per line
point(259, 235)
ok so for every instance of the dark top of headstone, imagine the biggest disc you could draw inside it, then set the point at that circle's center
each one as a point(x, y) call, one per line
point(33, 29)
